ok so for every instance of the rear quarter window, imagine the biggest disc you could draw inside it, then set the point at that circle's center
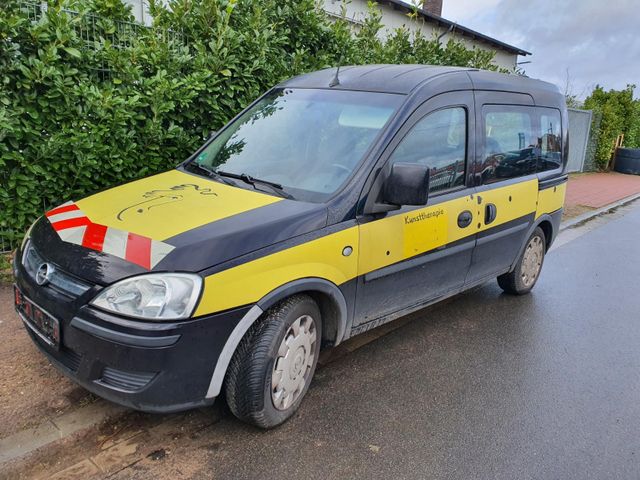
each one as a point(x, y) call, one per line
point(550, 139)
point(519, 141)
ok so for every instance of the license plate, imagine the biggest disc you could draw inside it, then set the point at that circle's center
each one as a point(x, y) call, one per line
point(35, 318)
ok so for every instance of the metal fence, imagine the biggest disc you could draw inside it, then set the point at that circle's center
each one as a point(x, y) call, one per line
point(95, 30)
point(6, 245)
point(579, 133)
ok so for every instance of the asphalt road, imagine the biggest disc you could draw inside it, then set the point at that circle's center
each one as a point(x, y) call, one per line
point(490, 386)
point(486, 386)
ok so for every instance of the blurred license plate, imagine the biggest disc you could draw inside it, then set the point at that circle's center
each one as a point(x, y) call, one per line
point(42, 324)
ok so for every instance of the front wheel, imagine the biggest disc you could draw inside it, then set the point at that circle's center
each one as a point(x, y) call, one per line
point(272, 368)
point(522, 279)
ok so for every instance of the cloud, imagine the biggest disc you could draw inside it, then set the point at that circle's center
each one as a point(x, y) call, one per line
point(596, 42)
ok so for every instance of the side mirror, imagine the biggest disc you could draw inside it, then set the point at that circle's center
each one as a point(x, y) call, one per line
point(211, 134)
point(407, 184)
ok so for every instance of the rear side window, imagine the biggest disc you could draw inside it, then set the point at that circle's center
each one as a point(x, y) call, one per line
point(439, 141)
point(510, 143)
point(550, 139)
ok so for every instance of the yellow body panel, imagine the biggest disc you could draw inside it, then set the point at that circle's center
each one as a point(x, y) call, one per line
point(511, 201)
point(249, 282)
point(398, 237)
point(551, 199)
point(170, 203)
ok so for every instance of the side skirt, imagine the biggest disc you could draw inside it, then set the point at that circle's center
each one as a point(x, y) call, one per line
point(419, 306)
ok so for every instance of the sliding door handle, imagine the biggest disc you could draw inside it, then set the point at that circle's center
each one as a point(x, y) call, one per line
point(490, 213)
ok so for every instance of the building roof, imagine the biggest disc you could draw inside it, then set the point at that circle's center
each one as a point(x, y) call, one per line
point(448, 24)
point(405, 78)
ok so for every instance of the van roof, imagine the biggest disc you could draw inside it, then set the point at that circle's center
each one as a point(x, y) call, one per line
point(405, 78)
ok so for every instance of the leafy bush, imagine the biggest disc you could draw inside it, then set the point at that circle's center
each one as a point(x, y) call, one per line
point(89, 99)
point(620, 115)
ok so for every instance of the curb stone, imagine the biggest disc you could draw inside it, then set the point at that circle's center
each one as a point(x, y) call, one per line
point(26, 441)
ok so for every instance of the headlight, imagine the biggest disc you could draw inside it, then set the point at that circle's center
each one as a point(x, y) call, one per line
point(154, 296)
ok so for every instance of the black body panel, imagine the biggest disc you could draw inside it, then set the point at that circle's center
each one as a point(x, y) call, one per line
point(497, 248)
point(196, 249)
point(232, 237)
point(89, 265)
point(150, 366)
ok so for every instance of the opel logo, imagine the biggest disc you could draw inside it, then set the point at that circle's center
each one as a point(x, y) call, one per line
point(43, 275)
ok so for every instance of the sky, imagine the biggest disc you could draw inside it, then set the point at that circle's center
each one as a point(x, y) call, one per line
point(593, 41)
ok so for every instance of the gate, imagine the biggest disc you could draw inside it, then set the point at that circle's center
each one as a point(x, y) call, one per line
point(579, 130)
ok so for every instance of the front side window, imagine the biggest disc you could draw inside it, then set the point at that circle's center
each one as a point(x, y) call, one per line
point(550, 140)
point(439, 141)
point(308, 141)
point(510, 143)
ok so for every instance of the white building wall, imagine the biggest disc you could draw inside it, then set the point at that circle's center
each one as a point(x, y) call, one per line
point(140, 10)
point(356, 11)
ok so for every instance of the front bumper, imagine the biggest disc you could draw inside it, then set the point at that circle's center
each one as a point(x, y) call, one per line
point(149, 366)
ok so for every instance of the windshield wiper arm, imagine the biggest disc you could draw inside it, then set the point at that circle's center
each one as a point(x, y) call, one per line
point(209, 172)
point(276, 187)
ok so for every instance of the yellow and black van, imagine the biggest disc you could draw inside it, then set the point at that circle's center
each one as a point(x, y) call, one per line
point(336, 202)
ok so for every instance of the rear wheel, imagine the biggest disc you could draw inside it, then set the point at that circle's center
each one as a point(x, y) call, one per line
point(523, 278)
point(272, 368)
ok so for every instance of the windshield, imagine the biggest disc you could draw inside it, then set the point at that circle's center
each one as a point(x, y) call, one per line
point(306, 141)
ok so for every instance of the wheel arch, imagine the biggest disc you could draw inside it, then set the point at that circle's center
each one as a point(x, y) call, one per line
point(333, 307)
point(550, 227)
point(327, 295)
point(547, 227)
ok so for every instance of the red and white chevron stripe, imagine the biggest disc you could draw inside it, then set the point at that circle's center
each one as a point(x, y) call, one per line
point(73, 226)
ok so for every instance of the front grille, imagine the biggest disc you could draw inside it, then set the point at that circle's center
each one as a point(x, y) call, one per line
point(58, 279)
point(129, 381)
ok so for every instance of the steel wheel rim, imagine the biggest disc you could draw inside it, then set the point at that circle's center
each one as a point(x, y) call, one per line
point(532, 261)
point(293, 363)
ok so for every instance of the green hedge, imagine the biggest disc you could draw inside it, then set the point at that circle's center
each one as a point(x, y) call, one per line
point(89, 99)
point(620, 114)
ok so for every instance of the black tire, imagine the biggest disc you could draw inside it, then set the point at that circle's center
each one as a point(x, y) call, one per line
point(513, 282)
point(248, 383)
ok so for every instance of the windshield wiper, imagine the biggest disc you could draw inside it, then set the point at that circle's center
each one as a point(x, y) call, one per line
point(276, 187)
point(209, 172)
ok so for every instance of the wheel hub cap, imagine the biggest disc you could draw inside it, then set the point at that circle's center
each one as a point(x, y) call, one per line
point(532, 261)
point(294, 362)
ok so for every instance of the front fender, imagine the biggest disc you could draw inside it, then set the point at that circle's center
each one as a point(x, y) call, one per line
point(302, 285)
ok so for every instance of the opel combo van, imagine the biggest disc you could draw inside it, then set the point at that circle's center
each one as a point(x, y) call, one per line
point(336, 202)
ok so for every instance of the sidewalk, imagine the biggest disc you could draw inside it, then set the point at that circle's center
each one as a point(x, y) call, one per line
point(591, 191)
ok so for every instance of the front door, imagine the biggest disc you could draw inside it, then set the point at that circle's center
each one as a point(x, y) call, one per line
point(416, 254)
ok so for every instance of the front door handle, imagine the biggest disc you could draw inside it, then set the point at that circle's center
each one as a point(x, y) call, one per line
point(465, 219)
point(490, 213)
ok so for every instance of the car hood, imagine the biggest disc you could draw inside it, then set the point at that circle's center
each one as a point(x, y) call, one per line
point(174, 221)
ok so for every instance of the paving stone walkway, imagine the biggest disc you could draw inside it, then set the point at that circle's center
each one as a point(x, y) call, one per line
point(596, 190)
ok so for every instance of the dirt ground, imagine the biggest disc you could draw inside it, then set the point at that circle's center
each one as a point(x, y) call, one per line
point(571, 211)
point(30, 388)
